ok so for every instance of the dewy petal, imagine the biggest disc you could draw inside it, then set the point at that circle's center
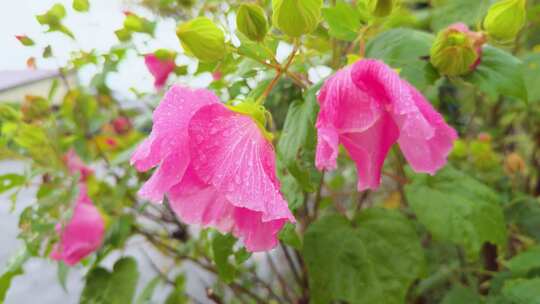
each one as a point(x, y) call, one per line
point(368, 149)
point(198, 203)
point(168, 142)
point(160, 69)
point(428, 155)
point(230, 153)
point(84, 232)
point(343, 109)
point(424, 137)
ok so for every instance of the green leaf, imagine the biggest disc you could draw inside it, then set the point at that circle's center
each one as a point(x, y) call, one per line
point(290, 237)
point(13, 269)
point(499, 73)
point(526, 215)
point(374, 259)
point(296, 147)
point(343, 20)
point(449, 12)
point(532, 76)
point(81, 5)
point(222, 248)
point(134, 23)
point(53, 19)
point(457, 208)
point(116, 287)
point(178, 295)
point(10, 181)
point(253, 50)
point(522, 291)
point(525, 261)
point(460, 295)
point(406, 50)
point(47, 52)
point(146, 295)
point(62, 273)
point(120, 231)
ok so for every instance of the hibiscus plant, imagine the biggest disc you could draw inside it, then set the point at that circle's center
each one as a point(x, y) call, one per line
point(291, 151)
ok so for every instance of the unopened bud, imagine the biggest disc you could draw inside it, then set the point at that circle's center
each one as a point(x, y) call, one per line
point(381, 8)
point(251, 21)
point(505, 19)
point(296, 17)
point(456, 50)
point(201, 38)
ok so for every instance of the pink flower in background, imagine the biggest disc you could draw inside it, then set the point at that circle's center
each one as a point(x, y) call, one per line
point(367, 107)
point(159, 68)
point(83, 234)
point(216, 167)
point(75, 165)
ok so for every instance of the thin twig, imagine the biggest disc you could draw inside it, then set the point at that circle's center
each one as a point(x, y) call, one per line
point(281, 280)
point(291, 264)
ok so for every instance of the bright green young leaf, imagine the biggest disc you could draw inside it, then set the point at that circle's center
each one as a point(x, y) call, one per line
point(10, 181)
point(222, 248)
point(25, 40)
point(12, 269)
point(253, 50)
point(499, 73)
point(116, 287)
point(343, 20)
point(81, 5)
point(522, 291)
point(134, 23)
point(457, 208)
point(374, 259)
point(461, 295)
point(406, 50)
point(62, 272)
point(53, 19)
point(452, 11)
point(178, 294)
point(525, 261)
point(297, 143)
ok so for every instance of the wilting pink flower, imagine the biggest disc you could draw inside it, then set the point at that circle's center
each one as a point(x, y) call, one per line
point(216, 167)
point(83, 234)
point(367, 107)
point(159, 68)
point(75, 165)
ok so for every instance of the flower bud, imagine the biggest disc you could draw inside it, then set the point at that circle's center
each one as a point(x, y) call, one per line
point(201, 38)
point(296, 17)
point(456, 50)
point(381, 8)
point(505, 19)
point(251, 21)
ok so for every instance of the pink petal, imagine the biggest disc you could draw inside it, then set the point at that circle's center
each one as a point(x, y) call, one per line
point(424, 137)
point(369, 148)
point(83, 234)
point(160, 69)
point(343, 109)
point(195, 202)
point(231, 154)
point(168, 142)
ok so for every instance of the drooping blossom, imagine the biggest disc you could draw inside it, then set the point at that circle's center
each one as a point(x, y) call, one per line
point(367, 107)
point(75, 165)
point(159, 68)
point(215, 165)
point(83, 234)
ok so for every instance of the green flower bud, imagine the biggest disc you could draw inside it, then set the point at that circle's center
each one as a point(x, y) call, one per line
point(456, 50)
point(505, 19)
point(381, 8)
point(201, 38)
point(296, 17)
point(251, 21)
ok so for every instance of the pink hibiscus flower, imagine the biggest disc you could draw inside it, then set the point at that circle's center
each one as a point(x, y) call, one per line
point(367, 107)
point(159, 68)
point(83, 234)
point(216, 167)
point(75, 165)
